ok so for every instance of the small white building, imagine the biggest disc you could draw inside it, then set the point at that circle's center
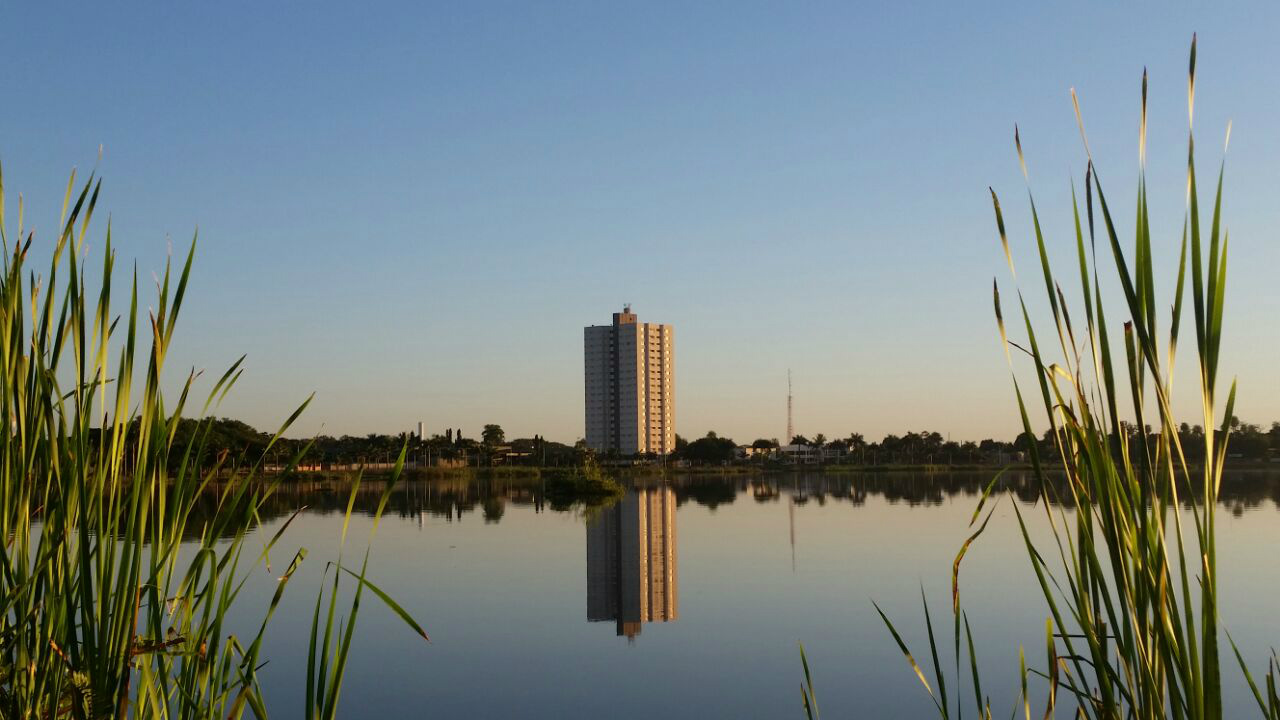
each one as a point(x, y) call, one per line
point(800, 454)
point(749, 452)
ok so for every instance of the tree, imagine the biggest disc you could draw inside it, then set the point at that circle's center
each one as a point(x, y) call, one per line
point(819, 440)
point(710, 450)
point(1249, 441)
point(493, 435)
point(799, 440)
point(763, 444)
point(681, 443)
point(1026, 442)
point(857, 444)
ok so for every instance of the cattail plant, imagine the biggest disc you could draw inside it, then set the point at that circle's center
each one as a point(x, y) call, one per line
point(114, 597)
point(1129, 577)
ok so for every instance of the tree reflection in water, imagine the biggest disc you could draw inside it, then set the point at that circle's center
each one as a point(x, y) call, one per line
point(453, 499)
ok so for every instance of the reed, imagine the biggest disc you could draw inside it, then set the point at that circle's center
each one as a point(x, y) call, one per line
point(114, 598)
point(1129, 578)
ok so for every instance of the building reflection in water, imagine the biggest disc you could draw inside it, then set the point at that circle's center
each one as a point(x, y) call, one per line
point(631, 561)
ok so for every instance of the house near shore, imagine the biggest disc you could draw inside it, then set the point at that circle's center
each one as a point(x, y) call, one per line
point(800, 454)
point(750, 452)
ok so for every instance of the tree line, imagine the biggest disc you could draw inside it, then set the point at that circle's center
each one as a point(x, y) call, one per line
point(1248, 442)
point(228, 439)
point(232, 439)
point(912, 448)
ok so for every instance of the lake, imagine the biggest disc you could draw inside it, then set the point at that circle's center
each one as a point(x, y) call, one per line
point(690, 598)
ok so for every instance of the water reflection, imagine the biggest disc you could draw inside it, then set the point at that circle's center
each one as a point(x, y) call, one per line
point(454, 499)
point(632, 575)
point(503, 577)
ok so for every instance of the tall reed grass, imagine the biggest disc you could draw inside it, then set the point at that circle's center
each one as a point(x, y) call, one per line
point(114, 600)
point(1129, 579)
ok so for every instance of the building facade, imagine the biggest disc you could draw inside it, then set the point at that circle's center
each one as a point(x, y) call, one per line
point(632, 575)
point(630, 386)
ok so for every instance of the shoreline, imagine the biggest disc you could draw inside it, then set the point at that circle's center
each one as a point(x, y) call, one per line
point(537, 472)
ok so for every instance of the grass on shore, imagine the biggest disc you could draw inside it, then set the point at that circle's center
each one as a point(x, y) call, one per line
point(588, 484)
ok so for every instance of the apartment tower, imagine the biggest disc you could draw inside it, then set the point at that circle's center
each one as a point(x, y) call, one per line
point(631, 405)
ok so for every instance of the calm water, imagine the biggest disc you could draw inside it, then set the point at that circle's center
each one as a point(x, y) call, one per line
point(689, 599)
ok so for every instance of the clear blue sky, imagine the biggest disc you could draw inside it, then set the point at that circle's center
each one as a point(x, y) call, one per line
point(413, 209)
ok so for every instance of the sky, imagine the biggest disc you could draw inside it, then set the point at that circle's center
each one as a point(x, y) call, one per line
point(412, 209)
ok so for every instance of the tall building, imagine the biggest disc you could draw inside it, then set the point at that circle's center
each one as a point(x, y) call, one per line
point(631, 561)
point(631, 405)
